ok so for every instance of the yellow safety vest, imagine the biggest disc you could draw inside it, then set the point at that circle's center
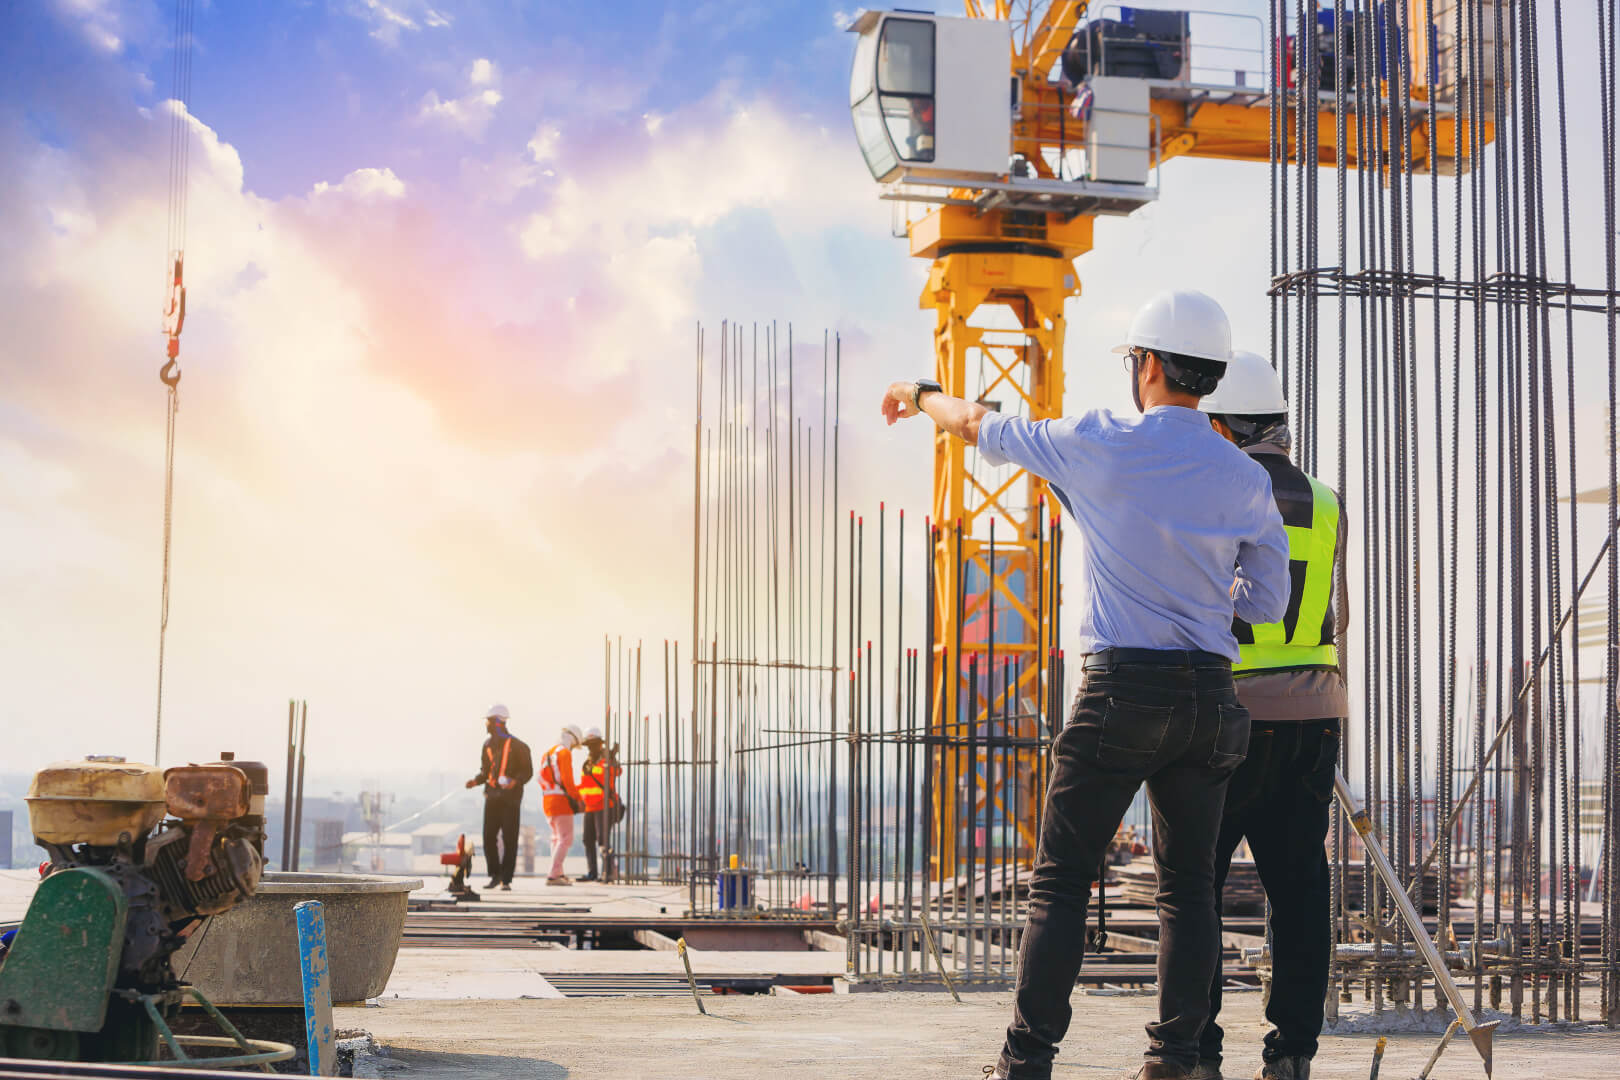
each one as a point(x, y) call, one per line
point(1304, 639)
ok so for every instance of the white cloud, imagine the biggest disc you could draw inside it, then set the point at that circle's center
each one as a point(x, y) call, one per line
point(540, 238)
point(651, 122)
point(365, 184)
point(643, 238)
point(388, 20)
point(758, 157)
point(470, 114)
point(543, 146)
point(99, 21)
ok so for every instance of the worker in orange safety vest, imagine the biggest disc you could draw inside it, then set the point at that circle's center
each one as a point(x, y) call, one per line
point(598, 785)
point(560, 799)
point(504, 766)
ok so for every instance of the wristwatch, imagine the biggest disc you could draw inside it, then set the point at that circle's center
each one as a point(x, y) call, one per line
point(924, 386)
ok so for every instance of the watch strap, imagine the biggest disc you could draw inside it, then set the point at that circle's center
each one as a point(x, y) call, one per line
point(924, 386)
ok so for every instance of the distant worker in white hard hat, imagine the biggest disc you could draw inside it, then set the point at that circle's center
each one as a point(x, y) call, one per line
point(1289, 678)
point(1179, 531)
point(560, 799)
point(504, 766)
point(599, 786)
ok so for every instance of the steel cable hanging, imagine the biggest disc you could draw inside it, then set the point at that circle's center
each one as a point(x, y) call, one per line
point(174, 314)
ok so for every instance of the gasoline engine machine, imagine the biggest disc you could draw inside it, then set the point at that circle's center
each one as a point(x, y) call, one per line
point(138, 859)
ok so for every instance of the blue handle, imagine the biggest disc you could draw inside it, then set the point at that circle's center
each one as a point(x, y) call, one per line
point(312, 964)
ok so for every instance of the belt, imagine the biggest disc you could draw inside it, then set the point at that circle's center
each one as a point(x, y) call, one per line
point(1156, 657)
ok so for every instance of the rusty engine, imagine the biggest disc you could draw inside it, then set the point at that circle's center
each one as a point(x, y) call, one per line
point(183, 845)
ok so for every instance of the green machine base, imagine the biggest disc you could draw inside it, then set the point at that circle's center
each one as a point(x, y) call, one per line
point(56, 986)
point(59, 998)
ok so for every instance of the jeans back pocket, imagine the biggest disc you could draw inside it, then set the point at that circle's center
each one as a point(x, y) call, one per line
point(1231, 737)
point(1319, 781)
point(1131, 734)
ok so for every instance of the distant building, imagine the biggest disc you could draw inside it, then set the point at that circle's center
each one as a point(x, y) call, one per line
point(316, 809)
point(367, 853)
point(328, 845)
point(431, 841)
point(436, 838)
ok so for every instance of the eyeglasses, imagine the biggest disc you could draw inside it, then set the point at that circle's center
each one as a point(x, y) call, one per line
point(1131, 358)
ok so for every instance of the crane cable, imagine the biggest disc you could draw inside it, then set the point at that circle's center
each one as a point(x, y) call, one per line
point(174, 308)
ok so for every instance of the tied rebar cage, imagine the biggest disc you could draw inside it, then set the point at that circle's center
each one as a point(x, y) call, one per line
point(794, 776)
point(1444, 316)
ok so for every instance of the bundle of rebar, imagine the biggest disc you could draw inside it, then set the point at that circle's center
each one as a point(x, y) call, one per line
point(1443, 363)
point(796, 775)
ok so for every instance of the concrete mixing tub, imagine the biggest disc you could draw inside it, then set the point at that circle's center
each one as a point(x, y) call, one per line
point(249, 955)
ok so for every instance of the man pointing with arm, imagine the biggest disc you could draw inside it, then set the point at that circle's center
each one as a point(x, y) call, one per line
point(1179, 532)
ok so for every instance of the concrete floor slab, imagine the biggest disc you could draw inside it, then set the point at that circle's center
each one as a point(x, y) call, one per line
point(866, 1037)
point(450, 974)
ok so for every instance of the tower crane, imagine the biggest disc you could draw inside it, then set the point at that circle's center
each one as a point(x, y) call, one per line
point(1013, 164)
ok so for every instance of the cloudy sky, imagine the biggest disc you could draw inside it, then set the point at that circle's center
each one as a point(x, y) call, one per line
point(445, 266)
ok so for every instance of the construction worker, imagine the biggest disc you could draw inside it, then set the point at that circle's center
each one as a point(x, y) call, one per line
point(503, 768)
point(560, 799)
point(1180, 530)
point(598, 784)
point(1288, 677)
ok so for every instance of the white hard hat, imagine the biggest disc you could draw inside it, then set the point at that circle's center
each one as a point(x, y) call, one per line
point(572, 732)
point(1250, 387)
point(593, 733)
point(497, 712)
point(1181, 321)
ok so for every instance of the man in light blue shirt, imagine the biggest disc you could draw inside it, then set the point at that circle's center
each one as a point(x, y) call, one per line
point(1180, 531)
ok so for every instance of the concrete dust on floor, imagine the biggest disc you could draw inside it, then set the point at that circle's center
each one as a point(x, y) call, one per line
point(867, 1036)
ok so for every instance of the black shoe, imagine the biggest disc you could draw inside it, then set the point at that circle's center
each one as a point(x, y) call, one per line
point(1285, 1068)
point(493, 883)
point(506, 886)
point(587, 877)
point(1161, 1070)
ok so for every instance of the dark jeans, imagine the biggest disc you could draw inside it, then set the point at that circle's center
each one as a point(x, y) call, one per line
point(1182, 731)
point(501, 813)
point(595, 837)
point(1280, 799)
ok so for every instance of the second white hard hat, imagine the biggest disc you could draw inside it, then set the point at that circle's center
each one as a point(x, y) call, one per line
point(1181, 321)
point(497, 712)
point(593, 733)
point(572, 732)
point(1250, 387)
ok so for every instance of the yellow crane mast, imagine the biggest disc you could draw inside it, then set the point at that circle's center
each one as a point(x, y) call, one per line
point(1014, 173)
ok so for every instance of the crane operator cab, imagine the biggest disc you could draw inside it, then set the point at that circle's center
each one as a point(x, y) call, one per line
point(934, 100)
point(929, 95)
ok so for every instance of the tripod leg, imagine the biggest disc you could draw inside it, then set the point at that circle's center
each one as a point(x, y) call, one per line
point(1479, 1034)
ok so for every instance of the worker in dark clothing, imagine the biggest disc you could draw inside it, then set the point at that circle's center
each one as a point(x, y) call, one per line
point(504, 767)
point(1288, 677)
point(598, 787)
